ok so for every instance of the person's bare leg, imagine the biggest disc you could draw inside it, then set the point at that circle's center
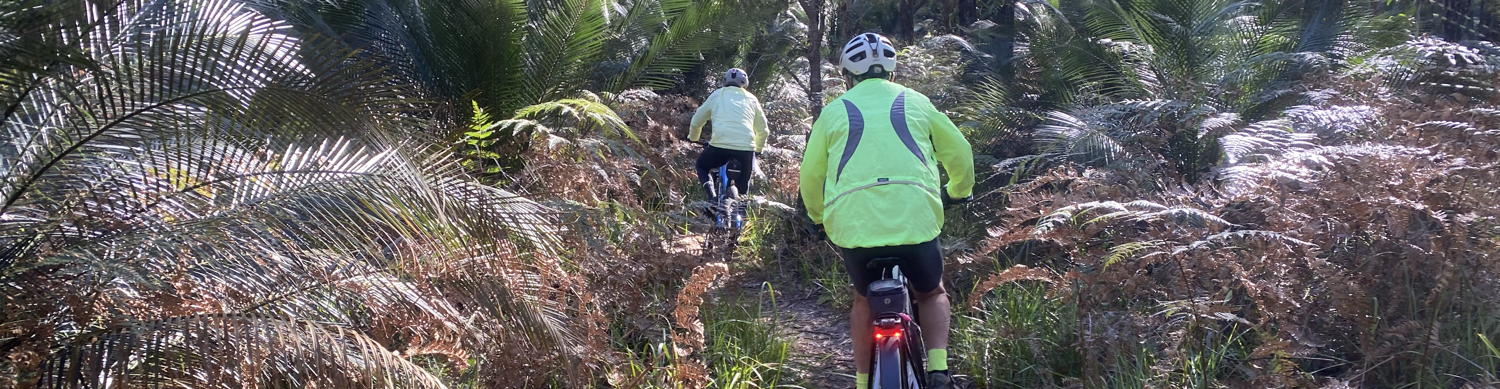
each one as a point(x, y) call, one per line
point(860, 331)
point(933, 314)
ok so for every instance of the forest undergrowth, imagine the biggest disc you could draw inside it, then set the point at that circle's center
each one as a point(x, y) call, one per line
point(1362, 254)
point(1173, 194)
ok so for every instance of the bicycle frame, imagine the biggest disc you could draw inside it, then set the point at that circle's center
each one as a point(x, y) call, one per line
point(725, 214)
point(899, 355)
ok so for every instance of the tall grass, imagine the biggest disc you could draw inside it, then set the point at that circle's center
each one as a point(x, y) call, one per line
point(1019, 338)
point(745, 349)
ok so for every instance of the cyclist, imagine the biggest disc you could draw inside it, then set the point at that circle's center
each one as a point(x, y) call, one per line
point(869, 176)
point(739, 131)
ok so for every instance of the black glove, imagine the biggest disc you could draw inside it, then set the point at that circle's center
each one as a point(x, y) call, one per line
point(949, 202)
point(816, 230)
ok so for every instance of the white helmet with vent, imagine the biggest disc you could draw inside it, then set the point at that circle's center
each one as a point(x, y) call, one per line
point(736, 77)
point(866, 51)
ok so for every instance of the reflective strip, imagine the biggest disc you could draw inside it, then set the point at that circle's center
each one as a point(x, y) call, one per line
point(856, 131)
point(898, 121)
point(830, 202)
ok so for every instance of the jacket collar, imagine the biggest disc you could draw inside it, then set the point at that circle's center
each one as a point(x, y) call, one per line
point(873, 82)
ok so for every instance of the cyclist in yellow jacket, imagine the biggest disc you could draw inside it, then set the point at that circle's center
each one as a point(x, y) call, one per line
point(870, 177)
point(739, 130)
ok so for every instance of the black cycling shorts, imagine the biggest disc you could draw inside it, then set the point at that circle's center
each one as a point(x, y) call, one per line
point(921, 263)
point(714, 157)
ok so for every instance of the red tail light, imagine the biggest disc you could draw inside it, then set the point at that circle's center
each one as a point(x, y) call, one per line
point(882, 333)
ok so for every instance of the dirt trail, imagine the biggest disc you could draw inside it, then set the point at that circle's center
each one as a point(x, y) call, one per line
point(821, 353)
point(820, 356)
point(821, 346)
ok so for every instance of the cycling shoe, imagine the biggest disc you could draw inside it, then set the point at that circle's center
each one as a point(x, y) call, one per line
point(939, 380)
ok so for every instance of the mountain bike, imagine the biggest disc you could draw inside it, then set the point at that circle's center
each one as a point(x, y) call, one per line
point(899, 355)
point(900, 358)
point(725, 209)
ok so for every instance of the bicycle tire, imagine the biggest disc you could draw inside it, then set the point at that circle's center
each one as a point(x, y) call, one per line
point(719, 208)
point(889, 371)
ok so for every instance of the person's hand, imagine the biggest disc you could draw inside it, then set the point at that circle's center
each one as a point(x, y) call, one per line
point(949, 202)
point(816, 230)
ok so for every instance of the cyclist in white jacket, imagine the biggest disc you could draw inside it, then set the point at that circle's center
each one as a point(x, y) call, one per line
point(739, 130)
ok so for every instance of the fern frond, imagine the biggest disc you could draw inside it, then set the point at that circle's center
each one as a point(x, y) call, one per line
point(1230, 238)
point(1462, 128)
point(1186, 216)
point(1334, 124)
point(1263, 141)
point(1491, 113)
point(1130, 250)
point(587, 115)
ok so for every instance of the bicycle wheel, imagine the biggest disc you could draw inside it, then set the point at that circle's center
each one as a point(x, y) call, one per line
point(720, 208)
point(733, 209)
point(890, 367)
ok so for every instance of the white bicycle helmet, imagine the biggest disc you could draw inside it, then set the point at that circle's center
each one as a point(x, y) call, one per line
point(736, 77)
point(866, 51)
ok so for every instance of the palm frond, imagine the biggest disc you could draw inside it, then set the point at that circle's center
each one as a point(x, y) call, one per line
point(561, 48)
point(1019, 168)
point(686, 34)
point(1073, 139)
point(990, 107)
point(272, 193)
point(209, 350)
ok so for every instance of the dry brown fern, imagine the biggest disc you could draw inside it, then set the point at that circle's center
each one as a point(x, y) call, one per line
point(687, 337)
point(1013, 274)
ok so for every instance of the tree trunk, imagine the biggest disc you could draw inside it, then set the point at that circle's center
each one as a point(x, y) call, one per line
point(950, 15)
point(968, 12)
point(906, 21)
point(1006, 23)
point(815, 25)
point(1452, 20)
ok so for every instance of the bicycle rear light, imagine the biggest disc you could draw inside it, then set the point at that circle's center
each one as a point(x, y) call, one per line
point(882, 333)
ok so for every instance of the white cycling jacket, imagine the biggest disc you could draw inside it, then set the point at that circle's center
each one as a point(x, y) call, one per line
point(739, 122)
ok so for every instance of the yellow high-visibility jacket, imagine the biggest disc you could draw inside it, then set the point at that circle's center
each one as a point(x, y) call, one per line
point(739, 122)
point(870, 170)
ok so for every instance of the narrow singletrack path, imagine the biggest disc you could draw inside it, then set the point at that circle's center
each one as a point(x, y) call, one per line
point(821, 349)
point(820, 355)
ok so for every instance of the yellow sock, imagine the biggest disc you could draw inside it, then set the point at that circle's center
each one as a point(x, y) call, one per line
point(861, 380)
point(937, 359)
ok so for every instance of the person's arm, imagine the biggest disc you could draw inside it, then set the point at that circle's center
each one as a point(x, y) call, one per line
point(954, 153)
point(762, 132)
point(814, 170)
point(701, 117)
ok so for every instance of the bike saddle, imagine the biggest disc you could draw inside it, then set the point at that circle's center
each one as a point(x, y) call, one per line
point(881, 263)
